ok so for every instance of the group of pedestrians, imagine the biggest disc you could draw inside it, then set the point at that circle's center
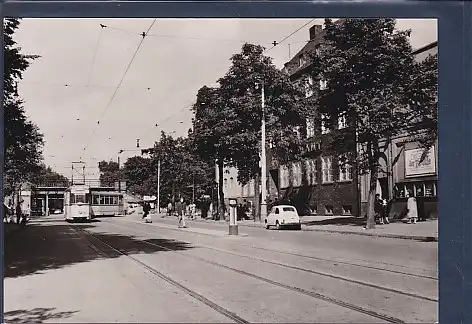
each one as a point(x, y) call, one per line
point(411, 212)
point(9, 211)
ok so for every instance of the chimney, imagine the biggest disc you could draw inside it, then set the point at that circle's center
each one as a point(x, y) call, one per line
point(314, 30)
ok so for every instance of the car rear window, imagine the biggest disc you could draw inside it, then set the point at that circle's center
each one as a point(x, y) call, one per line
point(289, 209)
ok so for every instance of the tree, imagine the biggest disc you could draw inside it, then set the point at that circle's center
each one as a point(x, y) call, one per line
point(47, 175)
point(212, 129)
point(23, 141)
point(367, 65)
point(110, 172)
point(137, 172)
point(285, 112)
point(422, 101)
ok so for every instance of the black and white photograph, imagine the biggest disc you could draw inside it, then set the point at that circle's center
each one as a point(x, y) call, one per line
point(220, 170)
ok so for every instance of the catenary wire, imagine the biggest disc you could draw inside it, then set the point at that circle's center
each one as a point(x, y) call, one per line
point(290, 35)
point(95, 54)
point(119, 84)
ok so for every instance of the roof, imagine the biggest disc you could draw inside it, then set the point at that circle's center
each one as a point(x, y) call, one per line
point(425, 48)
point(292, 66)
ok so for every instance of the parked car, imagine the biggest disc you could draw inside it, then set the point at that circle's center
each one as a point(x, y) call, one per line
point(283, 216)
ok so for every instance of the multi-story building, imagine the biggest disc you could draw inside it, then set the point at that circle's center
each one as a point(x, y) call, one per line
point(321, 184)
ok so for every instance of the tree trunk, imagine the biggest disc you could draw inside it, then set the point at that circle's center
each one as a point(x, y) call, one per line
point(221, 203)
point(374, 172)
point(257, 200)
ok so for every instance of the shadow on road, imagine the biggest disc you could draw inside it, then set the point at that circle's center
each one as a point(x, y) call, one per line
point(341, 221)
point(36, 315)
point(45, 246)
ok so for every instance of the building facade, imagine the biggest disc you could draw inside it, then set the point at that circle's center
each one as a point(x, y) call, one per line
point(322, 183)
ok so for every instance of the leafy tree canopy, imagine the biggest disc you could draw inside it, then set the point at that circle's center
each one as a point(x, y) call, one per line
point(23, 141)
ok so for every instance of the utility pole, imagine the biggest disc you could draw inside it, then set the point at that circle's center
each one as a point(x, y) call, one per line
point(193, 190)
point(263, 161)
point(159, 186)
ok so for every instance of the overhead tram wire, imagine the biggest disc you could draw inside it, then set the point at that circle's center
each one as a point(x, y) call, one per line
point(182, 37)
point(166, 119)
point(95, 53)
point(287, 37)
point(144, 34)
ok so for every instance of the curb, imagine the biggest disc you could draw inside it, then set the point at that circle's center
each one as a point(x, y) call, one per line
point(393, 236)
point(306, 228)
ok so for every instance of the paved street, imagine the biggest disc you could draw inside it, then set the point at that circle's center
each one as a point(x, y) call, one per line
point(119, 269)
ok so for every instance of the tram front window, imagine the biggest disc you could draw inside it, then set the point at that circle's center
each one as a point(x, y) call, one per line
point(80, 199)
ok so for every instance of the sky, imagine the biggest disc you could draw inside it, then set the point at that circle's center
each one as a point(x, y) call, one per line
point(74, 83)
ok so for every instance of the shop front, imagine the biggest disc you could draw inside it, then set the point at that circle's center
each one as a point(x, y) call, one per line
point(415, 174)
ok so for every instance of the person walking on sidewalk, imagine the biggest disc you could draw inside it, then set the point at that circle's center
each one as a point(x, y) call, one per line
point(146, 209)
point(412, 209)
point(169, 209)
point(180, 207)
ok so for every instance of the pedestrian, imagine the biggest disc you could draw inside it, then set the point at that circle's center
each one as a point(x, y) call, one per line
point(18, 212)
point(146, 209)
point(181, 207)
point(385, 211)
point(169, 209)
point(412, 209)
point(378, 209)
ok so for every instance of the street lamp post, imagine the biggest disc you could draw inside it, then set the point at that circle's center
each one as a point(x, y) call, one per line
point(263, 161)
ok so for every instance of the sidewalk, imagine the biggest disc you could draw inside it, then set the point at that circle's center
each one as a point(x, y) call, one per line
point(422, 231)
point(191, 229)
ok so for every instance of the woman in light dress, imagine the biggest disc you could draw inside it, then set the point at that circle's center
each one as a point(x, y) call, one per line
point(412, 207)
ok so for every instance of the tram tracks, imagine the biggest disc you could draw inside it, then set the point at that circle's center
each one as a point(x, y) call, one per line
point(320, 273)
point(160, 275)
point(333, 261)
point(313, 294)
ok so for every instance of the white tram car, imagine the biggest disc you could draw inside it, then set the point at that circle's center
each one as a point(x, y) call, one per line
point(77, 203)
point(80, 202)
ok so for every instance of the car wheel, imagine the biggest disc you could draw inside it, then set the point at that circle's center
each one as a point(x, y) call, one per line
point(277, 225)
point(267, 224)
point(299, 227)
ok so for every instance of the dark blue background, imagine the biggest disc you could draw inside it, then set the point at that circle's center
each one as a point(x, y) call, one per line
point(455, 94)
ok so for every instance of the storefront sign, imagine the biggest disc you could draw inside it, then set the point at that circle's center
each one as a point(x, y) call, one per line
point(414, 166)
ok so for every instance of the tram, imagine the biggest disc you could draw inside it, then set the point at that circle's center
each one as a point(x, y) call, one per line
point(77, 203)
point(108, 203)
point(82, 202)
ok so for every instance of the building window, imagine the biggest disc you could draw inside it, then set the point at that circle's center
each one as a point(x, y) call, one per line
point(231, 183)
point(252, 185)
point(345, 168)
point(327, 169)
point(342, 120)
point(323, 84)
point(297, 174)
point(328, 209)
point(226, 183)
point(301, 60)
point(284, 176)
point(227, 171)
point(318, 145)
point(311, 172)
point(347, 210)
point(310, 127)
point(309, 86)
point(296, 130)
point(325, 123)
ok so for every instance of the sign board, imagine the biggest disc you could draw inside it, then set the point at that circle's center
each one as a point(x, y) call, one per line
point(233, 202)
point(415, 167)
